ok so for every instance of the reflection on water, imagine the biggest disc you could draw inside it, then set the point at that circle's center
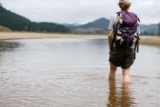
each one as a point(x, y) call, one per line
point(73, 73)
point(119, 96)
point(8, 45)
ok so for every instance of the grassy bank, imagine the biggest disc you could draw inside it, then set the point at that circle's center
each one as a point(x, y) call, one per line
point(151, 41)
point(4, 29)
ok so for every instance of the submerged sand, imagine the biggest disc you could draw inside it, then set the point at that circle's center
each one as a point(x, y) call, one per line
point(74, 73)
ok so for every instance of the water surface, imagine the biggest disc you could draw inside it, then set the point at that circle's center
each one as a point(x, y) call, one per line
point(74, 73)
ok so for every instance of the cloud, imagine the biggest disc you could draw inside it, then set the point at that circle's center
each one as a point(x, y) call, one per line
point(148, 11)
point(80, 11)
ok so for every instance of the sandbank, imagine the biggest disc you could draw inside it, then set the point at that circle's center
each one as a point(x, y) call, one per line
point(32, 35)
point(145, 40)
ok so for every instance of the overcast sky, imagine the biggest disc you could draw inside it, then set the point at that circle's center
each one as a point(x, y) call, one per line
point(80, 11)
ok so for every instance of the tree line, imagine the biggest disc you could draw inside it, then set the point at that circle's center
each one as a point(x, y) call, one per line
point(19, 23)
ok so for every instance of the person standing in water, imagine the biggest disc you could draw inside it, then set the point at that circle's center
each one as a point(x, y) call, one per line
point(123, 39)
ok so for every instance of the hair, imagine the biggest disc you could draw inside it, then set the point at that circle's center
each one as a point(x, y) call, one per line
point(124, 6)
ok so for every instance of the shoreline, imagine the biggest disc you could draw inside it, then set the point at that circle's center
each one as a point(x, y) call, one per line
point(145, 40)
point(34, 35)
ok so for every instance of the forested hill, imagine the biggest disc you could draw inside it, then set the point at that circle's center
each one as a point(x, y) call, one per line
point(19, 23)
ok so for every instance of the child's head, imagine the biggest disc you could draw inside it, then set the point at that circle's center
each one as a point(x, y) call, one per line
point(124, 5)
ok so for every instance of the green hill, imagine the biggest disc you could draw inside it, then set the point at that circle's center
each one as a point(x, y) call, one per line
point(16, 22)
point(99, 23)
point(149, 29)
point(99, 26)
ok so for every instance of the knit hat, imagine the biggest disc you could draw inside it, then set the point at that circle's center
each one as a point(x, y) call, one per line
point(124, 1)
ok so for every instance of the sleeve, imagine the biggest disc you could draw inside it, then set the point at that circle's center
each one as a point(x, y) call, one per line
point(111, 23)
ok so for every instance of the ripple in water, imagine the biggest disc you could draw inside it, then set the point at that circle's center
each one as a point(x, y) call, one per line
point(73, 73)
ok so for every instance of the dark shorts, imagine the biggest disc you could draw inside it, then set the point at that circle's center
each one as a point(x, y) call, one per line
point(122, 57)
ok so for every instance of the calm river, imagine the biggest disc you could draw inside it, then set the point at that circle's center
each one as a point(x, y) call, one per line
point(74, 73)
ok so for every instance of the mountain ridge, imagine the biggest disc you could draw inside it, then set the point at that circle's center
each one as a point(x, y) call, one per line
point(100, 26)
point(96, 27)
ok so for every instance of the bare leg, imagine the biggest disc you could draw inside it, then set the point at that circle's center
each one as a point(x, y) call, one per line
point(126, 76)
point(112, 75)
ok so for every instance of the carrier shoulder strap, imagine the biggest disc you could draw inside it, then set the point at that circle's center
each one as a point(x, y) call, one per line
point(136, 46)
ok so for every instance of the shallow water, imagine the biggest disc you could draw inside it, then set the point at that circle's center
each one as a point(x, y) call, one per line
point(74, 73)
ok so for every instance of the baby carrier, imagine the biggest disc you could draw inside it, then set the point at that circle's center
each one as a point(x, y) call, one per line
point(125, 31)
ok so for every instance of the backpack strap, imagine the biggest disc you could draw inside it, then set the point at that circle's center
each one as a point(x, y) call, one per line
point(139, 19)
point(136, 46)
point(138, 43)
point(118, 13)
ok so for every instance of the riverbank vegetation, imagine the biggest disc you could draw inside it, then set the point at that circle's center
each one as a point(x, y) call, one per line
point(151, 41)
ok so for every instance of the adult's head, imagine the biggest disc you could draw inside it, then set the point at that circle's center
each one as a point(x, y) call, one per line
point(124, 5)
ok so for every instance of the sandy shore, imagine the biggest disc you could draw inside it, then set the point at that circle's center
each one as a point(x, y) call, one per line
point(146, 40)
point(26, 35)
